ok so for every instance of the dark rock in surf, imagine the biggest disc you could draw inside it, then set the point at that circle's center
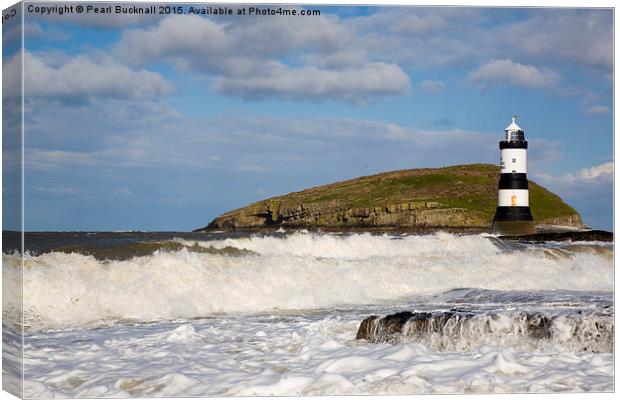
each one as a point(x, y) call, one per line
point(366, 327)
point(464, 331)
point(390, 325)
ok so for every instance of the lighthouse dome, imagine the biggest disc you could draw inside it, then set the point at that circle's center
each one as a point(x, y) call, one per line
point(513, 125)
point(514, 133)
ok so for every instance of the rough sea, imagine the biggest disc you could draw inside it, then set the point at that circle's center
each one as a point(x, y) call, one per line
point(195, 314)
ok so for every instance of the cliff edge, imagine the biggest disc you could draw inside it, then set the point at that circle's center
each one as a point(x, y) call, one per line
point(461, 197)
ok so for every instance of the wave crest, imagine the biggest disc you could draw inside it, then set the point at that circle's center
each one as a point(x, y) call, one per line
point(299, 271)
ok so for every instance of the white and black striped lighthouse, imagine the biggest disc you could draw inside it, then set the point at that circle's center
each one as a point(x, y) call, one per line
point(513, 215)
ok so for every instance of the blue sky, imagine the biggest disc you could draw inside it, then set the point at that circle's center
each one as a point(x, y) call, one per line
point(163, 123)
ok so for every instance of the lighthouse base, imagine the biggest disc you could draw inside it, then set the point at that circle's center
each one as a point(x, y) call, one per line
point(513, 221)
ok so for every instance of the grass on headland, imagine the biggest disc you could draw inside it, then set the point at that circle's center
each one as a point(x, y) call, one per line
point(472, 187)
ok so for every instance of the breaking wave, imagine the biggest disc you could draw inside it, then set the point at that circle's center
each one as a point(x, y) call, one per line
point(286, 272)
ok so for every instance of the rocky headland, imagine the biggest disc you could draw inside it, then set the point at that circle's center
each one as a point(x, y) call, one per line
point(456, 198)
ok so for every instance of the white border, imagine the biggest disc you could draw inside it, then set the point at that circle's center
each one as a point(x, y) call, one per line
point(478, 3)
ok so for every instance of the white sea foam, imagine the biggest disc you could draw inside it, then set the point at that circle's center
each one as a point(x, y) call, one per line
point(294, 355)
point(297, 271)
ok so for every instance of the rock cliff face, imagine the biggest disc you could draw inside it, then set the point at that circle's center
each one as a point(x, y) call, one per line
point(460, 197)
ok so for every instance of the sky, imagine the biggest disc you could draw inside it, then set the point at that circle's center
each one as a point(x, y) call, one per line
point(164, 122)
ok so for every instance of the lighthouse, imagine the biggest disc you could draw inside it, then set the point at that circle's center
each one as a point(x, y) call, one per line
point(513, 215)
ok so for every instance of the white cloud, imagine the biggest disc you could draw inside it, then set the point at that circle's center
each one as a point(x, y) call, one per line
point(196, 42)
point(507, 71)
point(598, 110)
point(12, 72)
point(82, 77)
point(589, 175)
point(603, 171)
point(190, 41)
point(354, 85)
point(245, 58)
point(431, 86)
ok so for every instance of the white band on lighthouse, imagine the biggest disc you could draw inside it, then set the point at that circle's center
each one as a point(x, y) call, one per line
point(513, 198)
point(513, 161)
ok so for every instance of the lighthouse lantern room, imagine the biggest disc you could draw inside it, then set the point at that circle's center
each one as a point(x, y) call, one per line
point(513, 215)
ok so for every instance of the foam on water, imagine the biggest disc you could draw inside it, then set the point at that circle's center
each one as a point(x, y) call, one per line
point(296, 271)
point(294, 355)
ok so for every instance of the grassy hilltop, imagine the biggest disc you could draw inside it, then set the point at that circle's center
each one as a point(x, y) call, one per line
point(459, 197)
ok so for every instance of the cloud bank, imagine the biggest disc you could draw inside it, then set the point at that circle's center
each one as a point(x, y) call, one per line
point(245, 58)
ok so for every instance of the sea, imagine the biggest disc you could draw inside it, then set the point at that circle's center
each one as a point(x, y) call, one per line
point(137, 314)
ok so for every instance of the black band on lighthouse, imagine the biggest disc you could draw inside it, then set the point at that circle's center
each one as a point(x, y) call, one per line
point(513, 181)
point(513, 214)
point(512, 145)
